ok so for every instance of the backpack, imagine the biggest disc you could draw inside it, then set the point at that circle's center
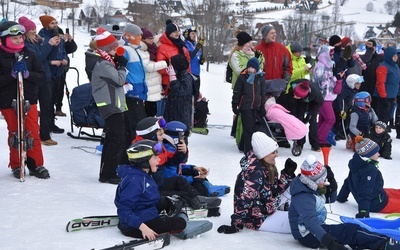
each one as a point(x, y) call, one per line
point(228, 73)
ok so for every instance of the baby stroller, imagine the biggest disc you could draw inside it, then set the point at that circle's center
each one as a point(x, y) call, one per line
point(84, 112)
point(275, 130)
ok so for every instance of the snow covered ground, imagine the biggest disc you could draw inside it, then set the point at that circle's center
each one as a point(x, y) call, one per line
point(35, 212)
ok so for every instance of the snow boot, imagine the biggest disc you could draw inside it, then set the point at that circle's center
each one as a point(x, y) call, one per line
point(194, 228)
point(331, 138)
point(216, 190)
point(213, 212)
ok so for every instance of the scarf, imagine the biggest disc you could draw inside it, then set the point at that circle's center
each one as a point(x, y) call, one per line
point(105, 56)
point(152, 49)
point(252, 76)
point(179, 43)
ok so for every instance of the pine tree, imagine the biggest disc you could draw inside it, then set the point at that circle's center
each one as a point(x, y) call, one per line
point(396, 21)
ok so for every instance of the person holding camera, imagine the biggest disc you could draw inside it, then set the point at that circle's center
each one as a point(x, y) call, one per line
point(108, 72)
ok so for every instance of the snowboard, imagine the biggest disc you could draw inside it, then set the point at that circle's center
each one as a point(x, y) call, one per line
point(92, 222)
point(390, 228)
point(161, 241)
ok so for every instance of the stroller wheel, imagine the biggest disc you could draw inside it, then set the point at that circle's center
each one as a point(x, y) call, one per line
point(296, 149)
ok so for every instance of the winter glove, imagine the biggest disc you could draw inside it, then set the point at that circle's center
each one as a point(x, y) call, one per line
point(120, 61)
point(227, 229)
point(258, 54)
point(20, 66)
point(171, 73)
point(332, 187)
point(331, 243)
point(235, 109)
point(127, 87)
point(202, 60)
point(347, 52)
point(290, 167)
point(200, 44)
point(343, 115)
point(362, 214)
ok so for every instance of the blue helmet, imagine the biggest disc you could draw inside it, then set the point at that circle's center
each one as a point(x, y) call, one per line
point(361, 98)
point(176, 130)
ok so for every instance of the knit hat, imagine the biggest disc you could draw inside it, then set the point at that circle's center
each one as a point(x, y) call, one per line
point(296, 47)
point(262, 144)
point(171, 27)
point(146, 33)
point(366, 147)
point(254, 63)
point(381, 124)
point(46, 20)
point(147, 128)
point(265, 30)
point(345, 40)
point(133, 29)
point(105, 41)
point(352, 79)
point(302, 89)
point(334, 40)
point(313, 169)
point(243, 38)
point(179, 62)
point(28, 24)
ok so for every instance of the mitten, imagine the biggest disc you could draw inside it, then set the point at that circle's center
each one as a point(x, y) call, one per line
point(343, 115)
point(235, 109)
point(227, 229)
point(120, 61)
point(200, 44)
point(331, 243)
point(332, 187)
point(347, 52)
point(20, 66)
point(171, 73)
point(258, 53)
point(290, 167)
point(362, 214)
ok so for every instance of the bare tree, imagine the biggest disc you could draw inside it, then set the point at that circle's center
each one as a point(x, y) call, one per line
point(392, 6)
point(104, 7)
point(5, 6)
point(18, 10)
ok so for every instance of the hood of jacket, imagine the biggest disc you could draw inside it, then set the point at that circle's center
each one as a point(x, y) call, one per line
point(128, 169)
point(357, 163)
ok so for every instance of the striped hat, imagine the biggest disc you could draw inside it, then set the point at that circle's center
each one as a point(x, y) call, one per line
point(366, 147)
point(105, 41)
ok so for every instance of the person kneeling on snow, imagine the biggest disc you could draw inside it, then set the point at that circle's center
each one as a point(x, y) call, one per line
point(259, 194)
point(365, 182)
point(380, 135)
point(138, 200)
point(307, 214)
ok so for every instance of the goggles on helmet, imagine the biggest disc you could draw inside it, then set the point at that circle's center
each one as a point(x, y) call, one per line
point(13, 31)
point(134, 153)
point(366, 99)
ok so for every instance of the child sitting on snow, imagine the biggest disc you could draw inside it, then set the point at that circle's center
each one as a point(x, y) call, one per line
point(380, 135)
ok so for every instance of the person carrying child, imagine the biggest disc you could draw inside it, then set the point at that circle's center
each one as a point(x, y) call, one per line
point(307, 214)
point(362, 117)
point(248, 100)
point(380, 135)
point(259, 191)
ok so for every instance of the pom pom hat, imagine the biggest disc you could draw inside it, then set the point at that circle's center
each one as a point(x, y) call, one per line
point(171, 27)
point(262, 145)
point(302, 89)
point(105, 40)
point(366, 147)
point(313, 169)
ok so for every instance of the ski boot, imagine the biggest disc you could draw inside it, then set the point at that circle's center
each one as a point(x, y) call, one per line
point(204, 202)
point(331, 138)
point(175, 205)
point(193, 228)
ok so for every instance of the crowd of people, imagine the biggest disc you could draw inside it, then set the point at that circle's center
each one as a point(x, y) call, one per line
point(145, 91)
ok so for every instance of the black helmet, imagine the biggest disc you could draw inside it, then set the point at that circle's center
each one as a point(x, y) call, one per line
point(186, 33)
point(10, 28)
point(140, 152)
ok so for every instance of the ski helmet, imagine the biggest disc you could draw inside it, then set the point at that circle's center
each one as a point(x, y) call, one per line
point(176, 130)
point(186, 33)
point(147, 127)
point(362, 98)
point(139, 153)
point(10, 28)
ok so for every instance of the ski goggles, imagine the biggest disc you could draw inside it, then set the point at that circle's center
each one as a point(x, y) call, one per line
point(133, 153)
point(13, 31)
point(366, 99)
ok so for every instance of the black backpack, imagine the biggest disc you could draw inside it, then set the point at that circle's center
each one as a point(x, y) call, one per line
point(228, 74)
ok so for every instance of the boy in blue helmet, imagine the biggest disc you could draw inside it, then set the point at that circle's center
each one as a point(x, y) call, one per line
point(362, 117)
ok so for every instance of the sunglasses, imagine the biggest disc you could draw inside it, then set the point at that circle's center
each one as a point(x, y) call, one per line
point(156, 149)
point(13, 31)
